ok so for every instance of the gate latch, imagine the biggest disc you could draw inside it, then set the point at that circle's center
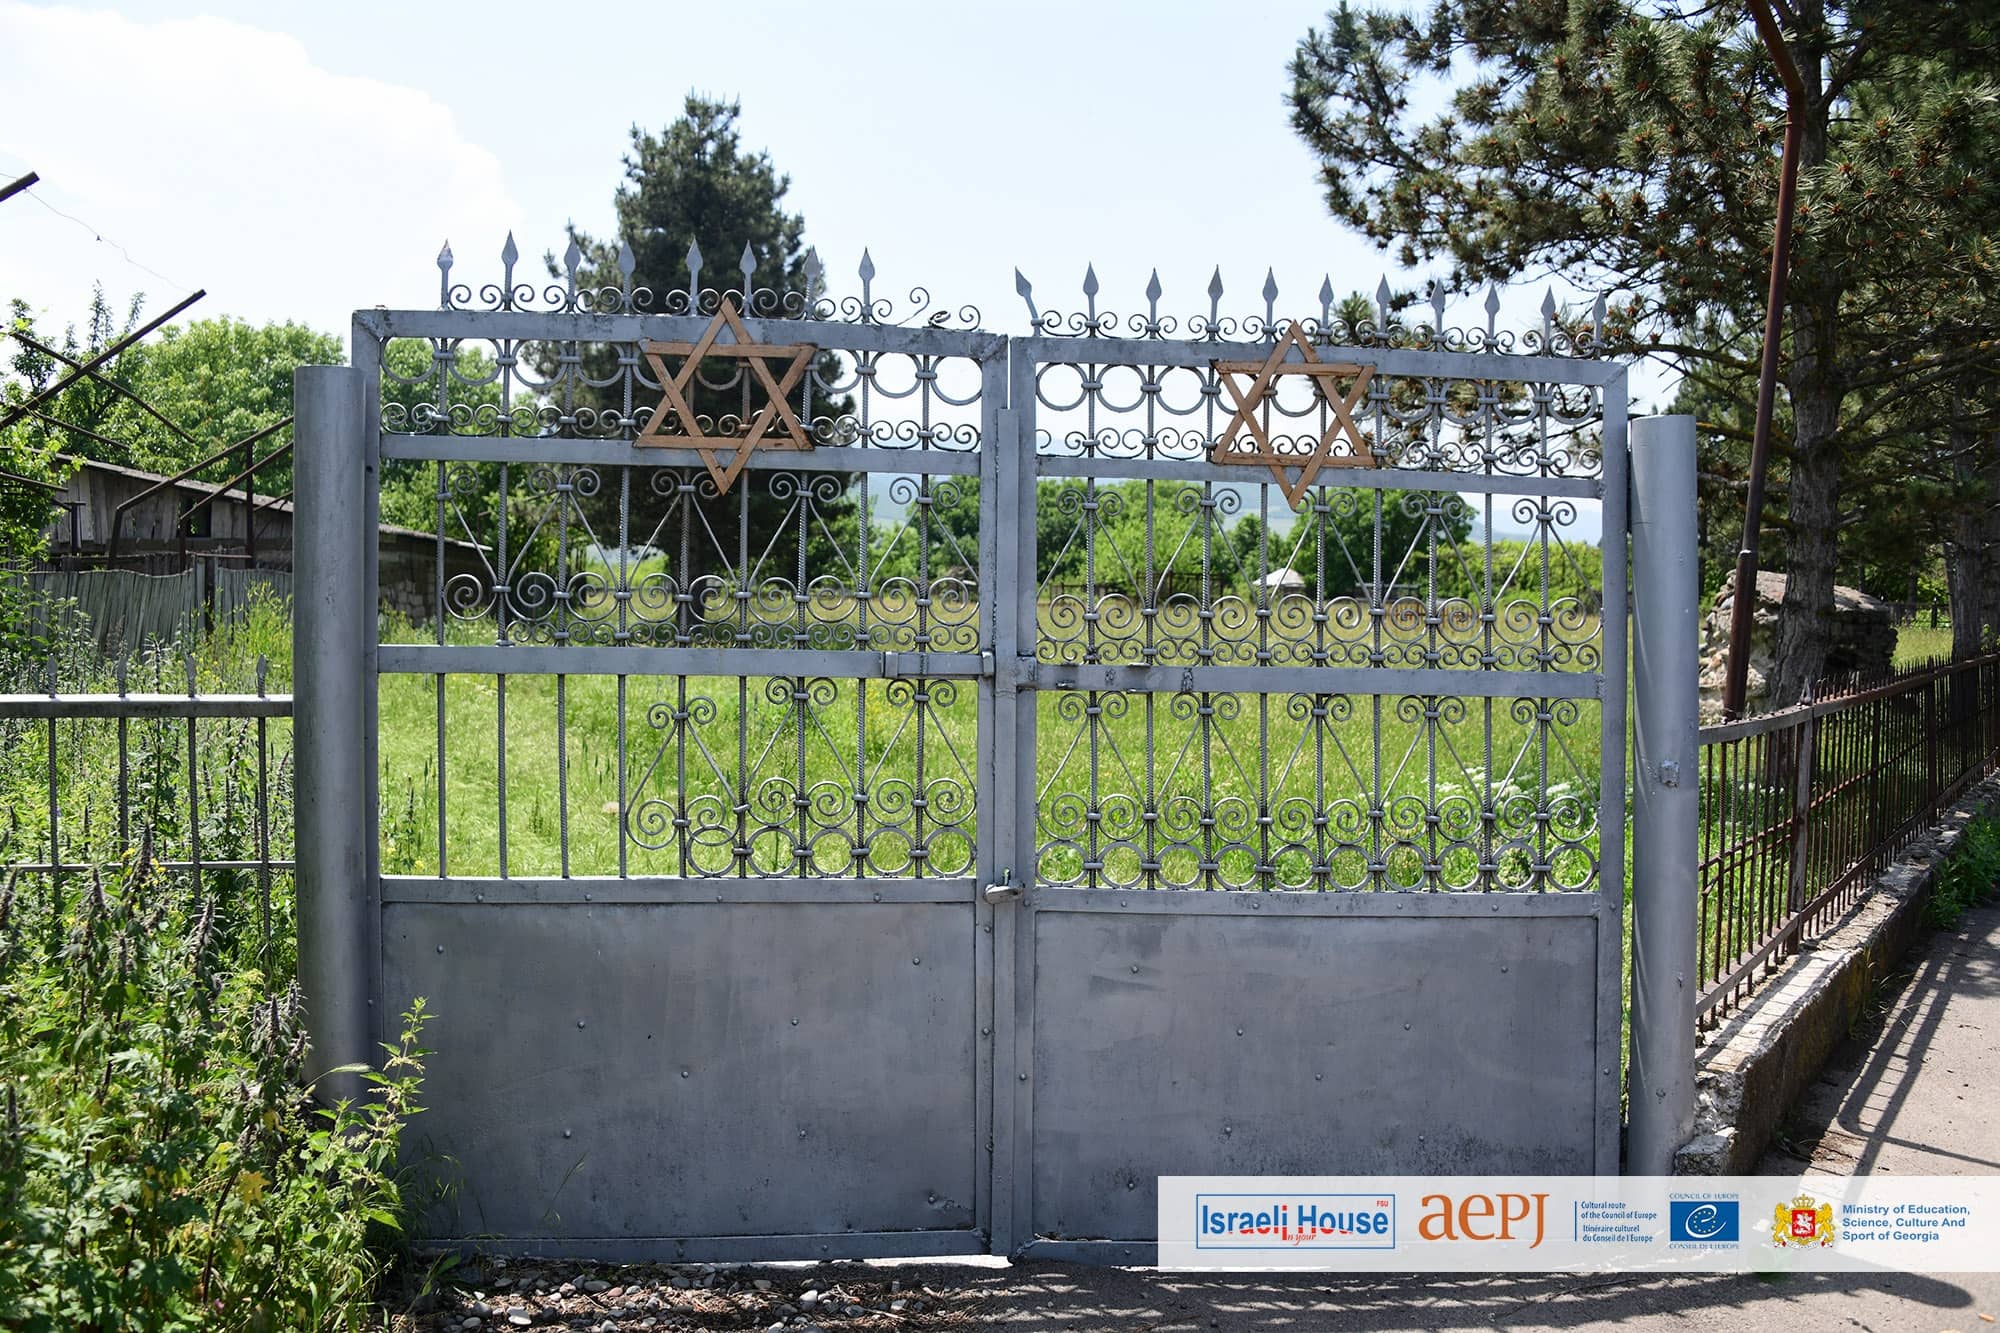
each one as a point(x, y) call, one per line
point(1006, 891)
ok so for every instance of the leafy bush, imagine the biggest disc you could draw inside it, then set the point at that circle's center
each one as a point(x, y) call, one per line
point(162, 1166)
point(1969, 876)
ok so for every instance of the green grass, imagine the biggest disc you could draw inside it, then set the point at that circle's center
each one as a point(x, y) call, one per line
point(1917, 643)
point(917, 756)
point(1969, 876)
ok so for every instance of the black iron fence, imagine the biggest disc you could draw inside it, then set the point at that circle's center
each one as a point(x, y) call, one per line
point(1803, 807)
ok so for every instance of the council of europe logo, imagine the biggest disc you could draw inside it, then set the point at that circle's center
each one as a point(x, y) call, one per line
point(1704, 1221)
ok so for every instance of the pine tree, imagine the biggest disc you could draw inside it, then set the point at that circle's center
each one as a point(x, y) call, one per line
point(1634, 148)
point(694, 184)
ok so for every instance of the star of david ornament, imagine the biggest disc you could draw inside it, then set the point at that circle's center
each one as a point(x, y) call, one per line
point(1295, 464)
point(775, 426)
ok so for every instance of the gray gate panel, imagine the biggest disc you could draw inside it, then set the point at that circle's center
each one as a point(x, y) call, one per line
point(1295, 1044)
point(696, 1070)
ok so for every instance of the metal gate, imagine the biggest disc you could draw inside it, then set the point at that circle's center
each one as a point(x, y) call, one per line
point(887, 789)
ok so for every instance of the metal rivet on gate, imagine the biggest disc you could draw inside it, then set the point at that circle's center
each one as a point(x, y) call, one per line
point(1024, 1078)
point(440, 948)
point(1319, 1078)
point(1227, 1130)
point(1131, 1184)
point(878, 897)
point(802, 1133)
point(985, 1032)
point(1503, 967)
point(1239, 1032)
point(916, 962)
point(684, 1073)
point(579, 1022)
point(795, 1022)
point(1135, 966)
point(565, 1133)
point(586, 897)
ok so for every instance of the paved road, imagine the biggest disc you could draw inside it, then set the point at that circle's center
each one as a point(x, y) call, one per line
point(1916, 1092)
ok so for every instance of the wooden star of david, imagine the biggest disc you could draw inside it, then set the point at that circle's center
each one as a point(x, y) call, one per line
point(1248, 418)
point(776, 425)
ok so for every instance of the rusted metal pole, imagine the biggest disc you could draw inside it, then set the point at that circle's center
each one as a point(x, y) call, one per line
point(87, 367)
point(1742, 612)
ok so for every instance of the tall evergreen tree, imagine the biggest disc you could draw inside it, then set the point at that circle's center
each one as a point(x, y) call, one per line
point(1627, 144)
point(694, 183)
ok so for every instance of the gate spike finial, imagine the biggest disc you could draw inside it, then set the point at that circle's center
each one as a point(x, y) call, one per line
point(1437, 311)
point(1270, 297)
point(1382, 295)
point(1153, 290)
point(508, 254)
point(748, 264)
point(1326, 304)
point(694, 275)
point(1597, 315)
point(815, 272)
point(1492, 308)
point(867, 272)
point(628, 263)
point(572, 261)
point(1214, 300)
point(1090, 290)
point(444, 276)
point(1026, 291)
point(1548, 315)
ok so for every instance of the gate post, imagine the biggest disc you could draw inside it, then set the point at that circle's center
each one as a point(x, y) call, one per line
point(330, 638)
point(1666, 802)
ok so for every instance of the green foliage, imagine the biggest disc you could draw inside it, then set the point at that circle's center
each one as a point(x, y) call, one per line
point(1632, 146)
point(694, 182)
point(219, 380)
point(1969, 876)
point(161, 1166)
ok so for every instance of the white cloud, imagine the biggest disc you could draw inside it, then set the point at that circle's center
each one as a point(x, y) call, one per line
point(222, 156)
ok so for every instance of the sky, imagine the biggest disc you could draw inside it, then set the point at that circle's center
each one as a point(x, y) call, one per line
point(301, 161)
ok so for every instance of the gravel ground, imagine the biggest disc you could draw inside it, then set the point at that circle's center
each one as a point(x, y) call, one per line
point(495, 1294)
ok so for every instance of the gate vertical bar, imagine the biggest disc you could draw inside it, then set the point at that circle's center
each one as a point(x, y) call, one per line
point(331, 542)
point(1665, 801)
point(1613, 551)
point(999, 481)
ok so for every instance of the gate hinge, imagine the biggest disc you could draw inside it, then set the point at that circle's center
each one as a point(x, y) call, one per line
point(1006, 891)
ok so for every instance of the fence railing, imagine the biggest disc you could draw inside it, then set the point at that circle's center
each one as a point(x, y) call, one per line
point(201, 780)
point(1802, 808)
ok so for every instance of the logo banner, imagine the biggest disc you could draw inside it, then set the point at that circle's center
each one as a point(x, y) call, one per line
point(1612, 1224)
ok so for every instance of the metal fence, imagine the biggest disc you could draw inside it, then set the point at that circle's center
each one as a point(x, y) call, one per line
point(1801, 808)
point(138, 758)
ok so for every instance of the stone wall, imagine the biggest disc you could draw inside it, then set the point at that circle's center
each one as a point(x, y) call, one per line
point(1864, 640)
